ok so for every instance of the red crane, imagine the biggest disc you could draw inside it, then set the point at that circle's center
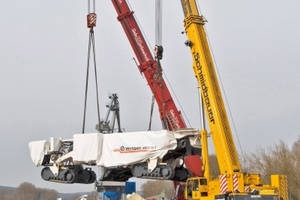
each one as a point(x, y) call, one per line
point(169, 114)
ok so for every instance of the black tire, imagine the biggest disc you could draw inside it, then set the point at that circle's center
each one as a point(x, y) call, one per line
point(46, 173)
point(71, 176)
point(93, 177)
point(86, 176)
point(167, 172)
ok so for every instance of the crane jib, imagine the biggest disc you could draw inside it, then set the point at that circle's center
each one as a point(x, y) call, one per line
point(204, 87)
point(186, 7)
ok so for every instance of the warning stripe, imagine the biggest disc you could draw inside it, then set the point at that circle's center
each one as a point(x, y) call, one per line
point(235, 182)
point(283, 186)
point(223, 184)
point(247, 188)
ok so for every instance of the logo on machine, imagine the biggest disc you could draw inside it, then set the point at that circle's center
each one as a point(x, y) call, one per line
point(139, 42)
point(204, 87)
point(135, 149)
point(174, 120)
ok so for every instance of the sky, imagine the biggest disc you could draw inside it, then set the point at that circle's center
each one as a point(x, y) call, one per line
point(43, 53)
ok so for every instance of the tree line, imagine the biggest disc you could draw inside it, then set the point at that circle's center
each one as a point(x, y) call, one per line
point(27, 191)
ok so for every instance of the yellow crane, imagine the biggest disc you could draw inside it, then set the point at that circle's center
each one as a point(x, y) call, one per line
point(232, 182)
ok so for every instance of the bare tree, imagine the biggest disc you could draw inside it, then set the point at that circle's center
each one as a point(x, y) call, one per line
point(46, 194)
point(26, 191)
point(6, 194)
point(276, 159)
point(152, 188)
point(294, 176)
point(2, 194)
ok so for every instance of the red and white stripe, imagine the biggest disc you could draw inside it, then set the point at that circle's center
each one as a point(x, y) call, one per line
point(247, 188)
point(223, 184)
point(235, 182)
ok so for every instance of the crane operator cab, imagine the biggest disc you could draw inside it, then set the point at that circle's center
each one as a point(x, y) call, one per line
point(197, 188)
point(245, 197)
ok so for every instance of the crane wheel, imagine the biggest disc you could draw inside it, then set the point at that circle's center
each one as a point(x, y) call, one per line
point(46, 173)
point(167, 172)
point(93, 177)
point(86, 176)
point(71, 176)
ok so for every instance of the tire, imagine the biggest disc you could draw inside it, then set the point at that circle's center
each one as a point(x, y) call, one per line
point(167, 172)
point(71, 176)
point(46, 173)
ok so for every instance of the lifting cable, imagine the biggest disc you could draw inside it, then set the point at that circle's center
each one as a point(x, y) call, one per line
point(91, 23)
point(158, 54)
point(158, 51)
point(157, 82)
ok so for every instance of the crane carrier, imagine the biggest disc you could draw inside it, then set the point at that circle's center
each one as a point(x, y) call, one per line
point(232, 183)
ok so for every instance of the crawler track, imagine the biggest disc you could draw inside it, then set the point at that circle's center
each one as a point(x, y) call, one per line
point(70, 175)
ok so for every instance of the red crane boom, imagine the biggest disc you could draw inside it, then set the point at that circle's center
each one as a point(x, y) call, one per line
point(151, 69)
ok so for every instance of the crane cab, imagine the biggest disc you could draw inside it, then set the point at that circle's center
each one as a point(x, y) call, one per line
point(199, 188)
point(196, 188)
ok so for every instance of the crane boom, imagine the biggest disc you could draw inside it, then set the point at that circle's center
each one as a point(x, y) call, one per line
point(232, 184)
point(149, 67)
point(205, 73)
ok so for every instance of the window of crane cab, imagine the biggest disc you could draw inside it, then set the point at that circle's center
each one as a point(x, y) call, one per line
point(203, 181)
point(193, 185)
point(189, 188)
point(196, 185)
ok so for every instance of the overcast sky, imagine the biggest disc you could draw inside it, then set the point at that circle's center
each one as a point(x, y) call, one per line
point(43, 53)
